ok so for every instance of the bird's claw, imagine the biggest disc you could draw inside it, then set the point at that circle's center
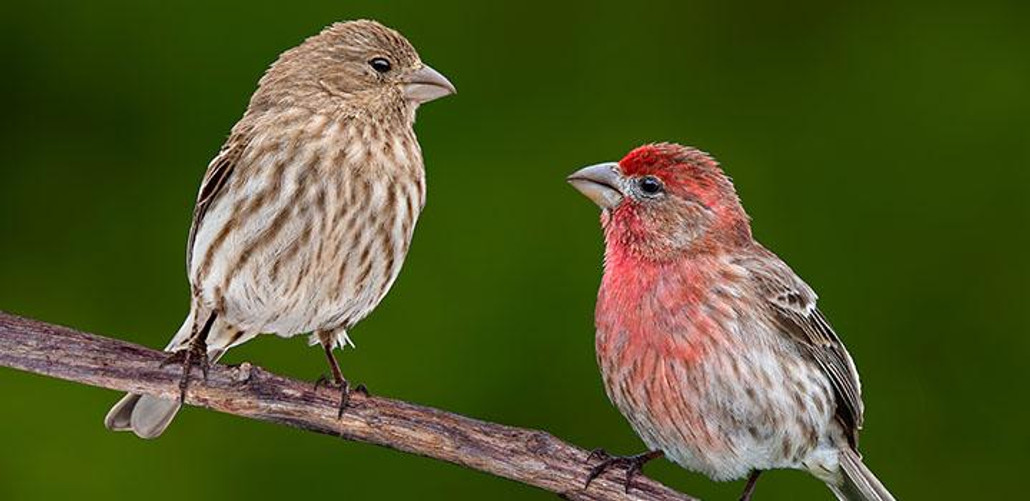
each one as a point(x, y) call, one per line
point(194, 354)
point(345, 391)
point(323, 380)
point(598, 453)
point(633, 465)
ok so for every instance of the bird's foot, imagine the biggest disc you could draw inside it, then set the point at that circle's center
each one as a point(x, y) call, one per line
point(345, 389)
point(193, 355)
point(633, 464)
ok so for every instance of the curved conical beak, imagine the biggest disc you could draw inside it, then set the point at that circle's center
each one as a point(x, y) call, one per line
point(427, 84)
point(599, 183)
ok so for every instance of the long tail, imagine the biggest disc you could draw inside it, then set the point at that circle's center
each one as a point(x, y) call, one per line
point(148, 416)
point(859, 484)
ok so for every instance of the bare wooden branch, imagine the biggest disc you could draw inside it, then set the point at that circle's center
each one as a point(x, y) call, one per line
point(528, 456)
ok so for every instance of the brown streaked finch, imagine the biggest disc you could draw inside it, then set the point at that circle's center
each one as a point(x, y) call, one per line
point(708, 343)
point(305, 215)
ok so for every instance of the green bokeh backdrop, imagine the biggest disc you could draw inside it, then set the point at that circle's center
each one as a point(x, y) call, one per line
point(882, 149)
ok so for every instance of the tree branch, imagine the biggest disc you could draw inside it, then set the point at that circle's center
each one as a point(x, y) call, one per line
point(531, 457)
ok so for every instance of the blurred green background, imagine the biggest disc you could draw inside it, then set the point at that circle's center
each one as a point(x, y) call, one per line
point(882, 149)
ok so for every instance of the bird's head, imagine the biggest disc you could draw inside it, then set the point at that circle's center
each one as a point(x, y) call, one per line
point(354, 64)
point(664, 199)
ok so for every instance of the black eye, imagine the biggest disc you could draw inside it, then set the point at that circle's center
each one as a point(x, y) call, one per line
point(380, 64)
point(650, 185)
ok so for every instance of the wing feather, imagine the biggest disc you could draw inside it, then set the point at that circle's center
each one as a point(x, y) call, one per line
point(215, 180)
point(793, 305)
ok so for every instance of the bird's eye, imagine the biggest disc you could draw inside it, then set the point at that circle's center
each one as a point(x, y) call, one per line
point(380, 64)
point(650, 185)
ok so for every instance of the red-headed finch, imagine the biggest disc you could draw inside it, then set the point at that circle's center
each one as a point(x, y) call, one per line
point(709, 344)
point(305, 215)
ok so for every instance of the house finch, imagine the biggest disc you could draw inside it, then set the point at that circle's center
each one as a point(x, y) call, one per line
point(707, 342)
point(305, 215)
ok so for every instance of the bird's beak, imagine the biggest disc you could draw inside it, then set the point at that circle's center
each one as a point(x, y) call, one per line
point(599, 183)
point(427, 84)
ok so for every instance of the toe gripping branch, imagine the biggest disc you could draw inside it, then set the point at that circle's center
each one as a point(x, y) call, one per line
point(633, 465)
point(338, 381)
point(345, 390)
point(193, 354)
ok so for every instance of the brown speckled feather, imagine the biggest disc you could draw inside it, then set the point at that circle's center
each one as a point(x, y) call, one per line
point(793, 304)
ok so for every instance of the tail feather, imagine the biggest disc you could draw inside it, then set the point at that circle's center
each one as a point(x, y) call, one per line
point(859, 483)
point(148, 416)
point(119, 418)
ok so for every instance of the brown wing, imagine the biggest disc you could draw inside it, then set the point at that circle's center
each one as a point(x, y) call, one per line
point(215, 180)
point(793, 305)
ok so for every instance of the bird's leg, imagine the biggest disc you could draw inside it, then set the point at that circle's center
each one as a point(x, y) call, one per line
point(338, 380)
point(633, 464)
point(193, 354)
point(749, 488)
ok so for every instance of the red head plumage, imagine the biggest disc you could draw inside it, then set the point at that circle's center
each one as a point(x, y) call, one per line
point(687, 172)
point(663, 199)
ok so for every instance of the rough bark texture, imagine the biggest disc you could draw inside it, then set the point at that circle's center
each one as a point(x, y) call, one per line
point(531, 457)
